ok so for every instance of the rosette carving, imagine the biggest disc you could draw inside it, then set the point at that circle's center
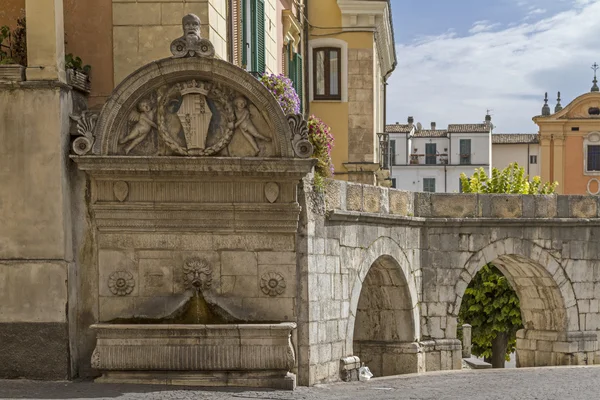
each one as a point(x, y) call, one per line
point(121, 283)
point(272, 284)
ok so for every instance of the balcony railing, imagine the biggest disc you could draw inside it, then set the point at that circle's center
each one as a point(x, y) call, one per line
point(415, 159)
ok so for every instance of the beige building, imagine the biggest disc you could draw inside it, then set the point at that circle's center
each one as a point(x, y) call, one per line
point(523, 149)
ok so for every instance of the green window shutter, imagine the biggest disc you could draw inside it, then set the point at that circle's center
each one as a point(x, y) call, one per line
point(298, 64)
point(258, 36)
point(465, 151)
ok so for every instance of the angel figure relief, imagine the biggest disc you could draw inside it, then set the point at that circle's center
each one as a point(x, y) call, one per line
point(144, 123)
point(244, 122)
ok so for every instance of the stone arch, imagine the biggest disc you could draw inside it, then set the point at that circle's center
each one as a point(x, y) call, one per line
point(546, 295)
point(384, 288)
point(170, 71)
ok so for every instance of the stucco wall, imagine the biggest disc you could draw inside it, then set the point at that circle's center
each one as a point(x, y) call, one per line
point(504, 154)
point(35, 238)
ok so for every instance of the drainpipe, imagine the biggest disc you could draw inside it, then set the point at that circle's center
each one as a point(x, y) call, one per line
point(305, 57)
point(445, 179)
point(528, 158)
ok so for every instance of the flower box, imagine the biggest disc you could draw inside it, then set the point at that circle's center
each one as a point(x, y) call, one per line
point(12, 73)
point(78, 80)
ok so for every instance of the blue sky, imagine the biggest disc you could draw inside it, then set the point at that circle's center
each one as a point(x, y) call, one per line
point(458, 58)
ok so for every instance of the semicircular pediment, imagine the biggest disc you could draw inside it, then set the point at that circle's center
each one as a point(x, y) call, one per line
point(193, 104)
point(583, 107)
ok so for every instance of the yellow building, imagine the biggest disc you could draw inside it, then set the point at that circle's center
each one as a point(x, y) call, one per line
point(351, 55)
point(570, 143)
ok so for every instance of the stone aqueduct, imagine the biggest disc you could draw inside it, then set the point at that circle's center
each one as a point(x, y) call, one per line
point(388, 269)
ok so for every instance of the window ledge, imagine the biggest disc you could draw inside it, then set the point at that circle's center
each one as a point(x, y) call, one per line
point(328, 101)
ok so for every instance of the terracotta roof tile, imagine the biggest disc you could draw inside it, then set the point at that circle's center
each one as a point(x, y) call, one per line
point(468, 128)
point(515, 138)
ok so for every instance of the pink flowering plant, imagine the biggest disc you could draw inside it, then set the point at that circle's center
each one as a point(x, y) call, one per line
point(283, 89)
point(321, 138)
point(319, 133)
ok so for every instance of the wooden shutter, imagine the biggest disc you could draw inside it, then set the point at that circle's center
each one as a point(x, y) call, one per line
point(298, 83)
point(258, 36)
point(465, 151)
point(430, 153)
point(393, 152)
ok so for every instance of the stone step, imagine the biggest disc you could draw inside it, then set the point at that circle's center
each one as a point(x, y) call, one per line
point(475, 363)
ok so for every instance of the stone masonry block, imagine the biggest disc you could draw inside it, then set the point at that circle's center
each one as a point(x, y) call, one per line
point(335, 192)
point(545, 206)
point(354, 197)
point(453, 205)
point(401, 202)
point(372, 199)
point(238, 263)
point(583, 207)
point(136, 14)
point(422, 204)
point(505, 206)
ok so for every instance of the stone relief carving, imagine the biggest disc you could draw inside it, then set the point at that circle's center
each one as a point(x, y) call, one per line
point(191, 43)
point(245, 124)
point(143, 123)
point(86, 122)
point(95, 362)
point(121, 283)
point(197, 274)
point(272, 192)
point(190, 118)
point(121, 190)
point(203, 107)
point(300, 143)
point(272, 284)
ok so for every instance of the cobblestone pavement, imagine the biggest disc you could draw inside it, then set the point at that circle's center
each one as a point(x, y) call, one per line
point(565, 383)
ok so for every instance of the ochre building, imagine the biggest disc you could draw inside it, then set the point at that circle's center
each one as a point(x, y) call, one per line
point(570, 144)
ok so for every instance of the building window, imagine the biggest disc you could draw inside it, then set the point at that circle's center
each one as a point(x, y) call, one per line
point(429, 185)
point(327, 73)
point(253, 36)
point(593, 157)
point(465, 151)
point(394, 183)
point(393, 152)
point(430, 153)
point(532, 159)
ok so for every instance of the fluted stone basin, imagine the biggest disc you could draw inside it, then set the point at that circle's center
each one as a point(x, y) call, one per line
point(249, 355)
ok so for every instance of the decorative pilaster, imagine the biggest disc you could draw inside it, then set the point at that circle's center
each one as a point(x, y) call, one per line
point(45, 40)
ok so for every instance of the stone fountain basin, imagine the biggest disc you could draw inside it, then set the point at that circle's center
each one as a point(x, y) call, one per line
point(246, 355)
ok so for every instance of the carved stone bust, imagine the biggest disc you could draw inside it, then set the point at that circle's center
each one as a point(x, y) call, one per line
point(191, 43)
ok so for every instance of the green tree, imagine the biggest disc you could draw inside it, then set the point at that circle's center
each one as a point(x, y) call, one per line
point(490, 305)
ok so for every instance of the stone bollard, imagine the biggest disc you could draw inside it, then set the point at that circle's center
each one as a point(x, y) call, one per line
point(466, 341)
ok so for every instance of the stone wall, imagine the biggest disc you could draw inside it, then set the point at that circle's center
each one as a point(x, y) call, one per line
point(544, 245)
point(35, 238)
point(143, 30)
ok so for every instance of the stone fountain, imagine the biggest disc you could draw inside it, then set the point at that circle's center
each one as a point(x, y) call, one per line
point(192, 170)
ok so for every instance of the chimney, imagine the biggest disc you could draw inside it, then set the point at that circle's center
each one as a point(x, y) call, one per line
point(433, 125)
point(411, 121)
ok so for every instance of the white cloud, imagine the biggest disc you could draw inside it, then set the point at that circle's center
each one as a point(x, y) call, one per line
point(454, 79)
point(483, 26)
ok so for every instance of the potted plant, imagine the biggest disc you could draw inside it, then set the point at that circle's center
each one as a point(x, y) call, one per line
point(78, 75)
point(13, 53)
